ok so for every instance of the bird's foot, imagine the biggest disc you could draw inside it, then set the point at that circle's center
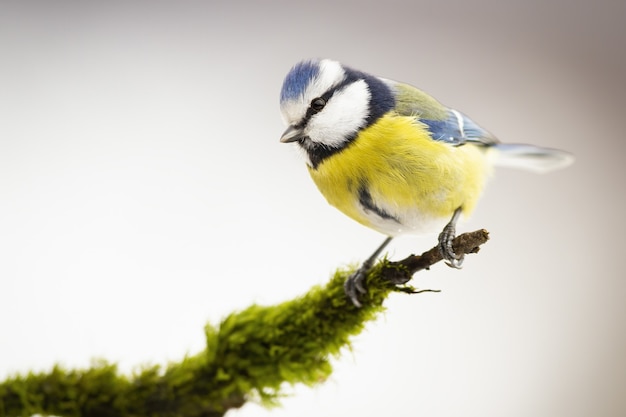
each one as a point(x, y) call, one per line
point(355, 285)
point(445, 247)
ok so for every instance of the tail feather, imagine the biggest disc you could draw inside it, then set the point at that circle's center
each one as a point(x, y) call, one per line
point(531, 158)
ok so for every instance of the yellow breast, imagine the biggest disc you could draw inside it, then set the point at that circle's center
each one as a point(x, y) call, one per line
point(414, 183)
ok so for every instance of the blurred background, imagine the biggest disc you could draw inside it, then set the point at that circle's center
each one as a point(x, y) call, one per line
point(143, 192)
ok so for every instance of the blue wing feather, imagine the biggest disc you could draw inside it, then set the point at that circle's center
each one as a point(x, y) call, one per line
point(458, 129)
point(445, 124)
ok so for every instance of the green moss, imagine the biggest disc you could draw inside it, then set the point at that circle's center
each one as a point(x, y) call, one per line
point(251, 354)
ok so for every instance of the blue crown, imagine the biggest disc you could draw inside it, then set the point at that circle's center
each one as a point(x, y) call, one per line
point(298, 79)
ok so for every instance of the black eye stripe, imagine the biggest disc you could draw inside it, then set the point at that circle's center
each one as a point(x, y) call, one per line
point(311, 111)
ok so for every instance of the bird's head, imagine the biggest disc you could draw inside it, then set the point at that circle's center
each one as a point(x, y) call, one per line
point(326, 104)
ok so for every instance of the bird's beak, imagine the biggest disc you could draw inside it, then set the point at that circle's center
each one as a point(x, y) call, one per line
point(292, 134)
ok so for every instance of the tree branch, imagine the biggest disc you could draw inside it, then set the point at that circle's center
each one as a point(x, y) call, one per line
point(251, 354)
point(401, 272)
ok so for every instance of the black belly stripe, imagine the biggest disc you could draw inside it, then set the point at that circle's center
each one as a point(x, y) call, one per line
point(365, 199)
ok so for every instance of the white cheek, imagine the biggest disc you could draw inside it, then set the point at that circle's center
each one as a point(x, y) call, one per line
point(345, 113)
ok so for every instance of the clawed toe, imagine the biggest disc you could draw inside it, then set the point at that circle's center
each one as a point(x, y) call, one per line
point(445, 243)
point(456, 263)
point(354, 286)
point(447, 252)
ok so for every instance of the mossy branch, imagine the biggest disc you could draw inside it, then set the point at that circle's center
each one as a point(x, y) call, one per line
point(250, 355)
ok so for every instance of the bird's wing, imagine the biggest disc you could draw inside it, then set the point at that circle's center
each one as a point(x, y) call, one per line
point(445, 124)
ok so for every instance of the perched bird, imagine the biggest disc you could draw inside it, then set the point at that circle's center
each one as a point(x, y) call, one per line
point(392, 157)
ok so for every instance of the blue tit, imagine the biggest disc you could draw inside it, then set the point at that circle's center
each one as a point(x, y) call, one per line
point(392, 157)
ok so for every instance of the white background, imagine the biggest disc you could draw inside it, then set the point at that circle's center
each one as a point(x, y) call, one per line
point(143, 192)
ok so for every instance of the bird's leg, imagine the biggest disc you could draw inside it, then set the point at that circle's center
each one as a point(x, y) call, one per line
point(354, 285)
point(445, 242)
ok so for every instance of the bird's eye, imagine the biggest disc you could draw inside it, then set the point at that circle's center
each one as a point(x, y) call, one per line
point(317, 104)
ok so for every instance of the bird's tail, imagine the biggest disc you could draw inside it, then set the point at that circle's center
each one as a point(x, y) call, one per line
point(531, 158)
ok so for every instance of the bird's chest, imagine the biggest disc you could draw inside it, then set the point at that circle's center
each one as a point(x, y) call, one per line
point(400, 183)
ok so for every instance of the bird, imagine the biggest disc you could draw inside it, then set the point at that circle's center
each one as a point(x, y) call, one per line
point(392, 157)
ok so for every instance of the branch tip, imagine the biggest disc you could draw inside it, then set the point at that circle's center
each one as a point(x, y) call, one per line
point(401, 272)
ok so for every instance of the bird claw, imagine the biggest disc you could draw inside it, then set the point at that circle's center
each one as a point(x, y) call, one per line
point(354, 286)
point(445, 246)
point(456, 263)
